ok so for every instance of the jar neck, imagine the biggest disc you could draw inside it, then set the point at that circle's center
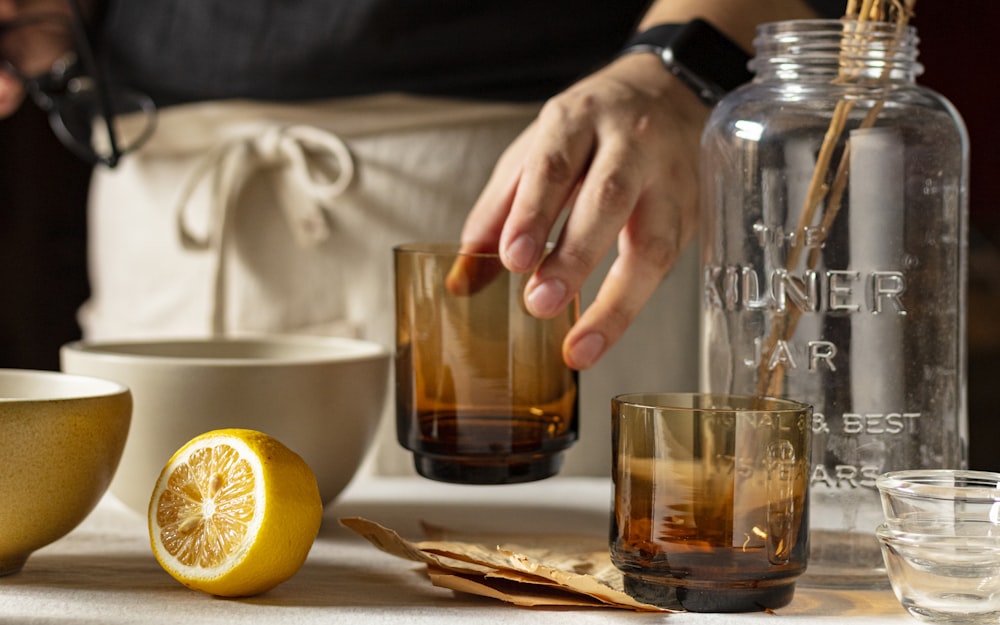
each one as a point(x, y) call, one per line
point(847, 50)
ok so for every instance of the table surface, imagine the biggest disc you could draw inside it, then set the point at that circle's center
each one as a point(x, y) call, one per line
point(104, 572)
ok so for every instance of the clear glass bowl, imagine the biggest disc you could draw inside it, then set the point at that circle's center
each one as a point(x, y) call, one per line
point(944, 570)
point(940, 494)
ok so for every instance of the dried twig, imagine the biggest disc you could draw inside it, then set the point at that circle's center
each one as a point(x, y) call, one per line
point(821, 196)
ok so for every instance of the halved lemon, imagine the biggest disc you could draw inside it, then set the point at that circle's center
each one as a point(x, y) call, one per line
point(234, 513)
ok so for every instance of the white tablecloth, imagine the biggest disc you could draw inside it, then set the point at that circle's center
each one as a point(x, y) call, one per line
point(104, 572)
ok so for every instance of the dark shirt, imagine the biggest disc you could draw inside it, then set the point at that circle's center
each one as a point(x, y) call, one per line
point(517, 50)
point(828, 8)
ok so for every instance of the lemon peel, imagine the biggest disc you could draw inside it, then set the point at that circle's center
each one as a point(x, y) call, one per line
point(234, 513)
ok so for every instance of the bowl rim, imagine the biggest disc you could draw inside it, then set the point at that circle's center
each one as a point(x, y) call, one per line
point(104, 386)
point(887, 534)
point(934, 484)
point(345, 350)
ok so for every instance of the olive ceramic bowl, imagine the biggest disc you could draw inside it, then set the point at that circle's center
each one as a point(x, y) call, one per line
point(61, 439)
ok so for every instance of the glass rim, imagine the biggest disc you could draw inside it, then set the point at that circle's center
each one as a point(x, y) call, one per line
point(449, 248)
point(440, 248)
point(720, 402)
point(887, 534)
point(823, 24)
point(975, 486)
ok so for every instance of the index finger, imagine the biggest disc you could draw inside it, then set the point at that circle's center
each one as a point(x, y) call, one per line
point(551, 169)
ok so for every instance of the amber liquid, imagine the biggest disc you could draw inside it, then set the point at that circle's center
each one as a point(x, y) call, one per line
point(483, 444)
point(709, 556)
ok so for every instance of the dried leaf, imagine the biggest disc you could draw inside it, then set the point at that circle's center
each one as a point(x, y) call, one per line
point(519, 574)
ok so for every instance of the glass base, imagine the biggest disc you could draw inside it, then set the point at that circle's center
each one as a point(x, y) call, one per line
point(509, 470)
point(959, 617)
point(714, 597)
point(844, 560)
point(834, 577)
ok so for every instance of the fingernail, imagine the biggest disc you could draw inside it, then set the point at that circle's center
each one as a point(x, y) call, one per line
point(546, 298)
point(520, 253)
point(586, 351)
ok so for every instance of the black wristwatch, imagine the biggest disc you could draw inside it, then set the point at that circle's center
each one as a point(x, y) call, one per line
point(703, 58)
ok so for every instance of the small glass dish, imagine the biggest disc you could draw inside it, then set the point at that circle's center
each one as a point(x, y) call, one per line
point(944, 570)
point(940, 494)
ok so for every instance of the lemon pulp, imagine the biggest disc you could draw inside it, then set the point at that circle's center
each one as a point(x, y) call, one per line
point(207, 509)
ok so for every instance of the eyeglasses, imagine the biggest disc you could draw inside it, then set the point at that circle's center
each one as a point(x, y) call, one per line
point(49, 53)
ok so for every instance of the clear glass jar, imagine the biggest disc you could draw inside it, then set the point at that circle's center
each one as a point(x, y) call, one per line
point(834, 233)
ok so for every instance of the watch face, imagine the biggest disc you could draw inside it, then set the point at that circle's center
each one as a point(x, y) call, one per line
point(712, 58)
point(706, 60)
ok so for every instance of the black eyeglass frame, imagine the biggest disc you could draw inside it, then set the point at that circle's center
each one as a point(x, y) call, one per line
point(45, 91)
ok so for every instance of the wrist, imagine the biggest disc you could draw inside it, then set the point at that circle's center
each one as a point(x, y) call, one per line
point(645, 72)
point(699, 55)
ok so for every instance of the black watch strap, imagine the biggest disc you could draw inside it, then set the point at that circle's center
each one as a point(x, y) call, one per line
point(703, 58)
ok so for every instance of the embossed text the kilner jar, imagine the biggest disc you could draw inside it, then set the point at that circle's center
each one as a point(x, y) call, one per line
point(833, 248)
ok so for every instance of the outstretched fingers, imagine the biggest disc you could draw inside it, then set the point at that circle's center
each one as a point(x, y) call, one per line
point(648, 247)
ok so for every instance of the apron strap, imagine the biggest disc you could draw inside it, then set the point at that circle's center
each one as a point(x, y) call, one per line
point(310, 168)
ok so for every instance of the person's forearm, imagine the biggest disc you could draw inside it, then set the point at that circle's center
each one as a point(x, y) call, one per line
point(736, 18)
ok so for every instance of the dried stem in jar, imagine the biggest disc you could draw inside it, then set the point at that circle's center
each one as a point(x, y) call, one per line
point(823, 196)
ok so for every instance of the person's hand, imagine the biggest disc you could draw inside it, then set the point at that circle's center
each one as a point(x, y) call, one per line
point(40, 50)
point(619, 151)
point(11, 92)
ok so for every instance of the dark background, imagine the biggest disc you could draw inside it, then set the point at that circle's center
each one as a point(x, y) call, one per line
point(43, 222)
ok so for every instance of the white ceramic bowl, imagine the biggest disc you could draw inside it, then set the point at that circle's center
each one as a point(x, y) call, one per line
point(320, 396)
point(61, 437)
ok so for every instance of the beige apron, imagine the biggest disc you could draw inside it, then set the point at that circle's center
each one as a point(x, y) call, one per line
point(249, 217)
